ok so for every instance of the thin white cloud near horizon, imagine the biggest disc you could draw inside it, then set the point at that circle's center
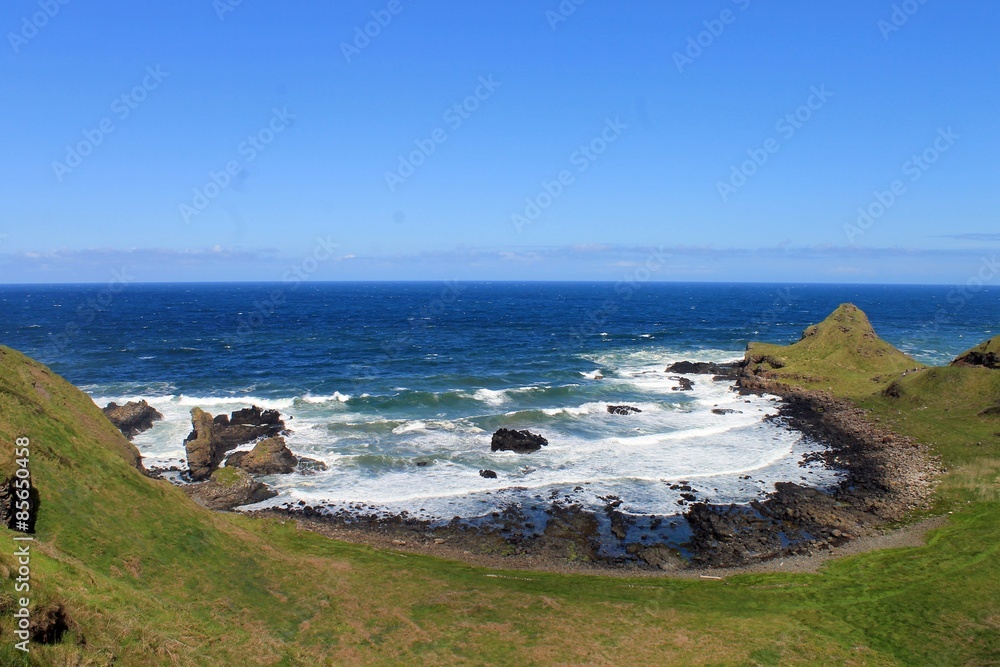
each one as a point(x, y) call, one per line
point(806, 264)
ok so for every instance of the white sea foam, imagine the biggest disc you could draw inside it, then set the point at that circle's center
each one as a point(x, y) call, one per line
point(409, 427)
point(228, 402)
point(335, 397)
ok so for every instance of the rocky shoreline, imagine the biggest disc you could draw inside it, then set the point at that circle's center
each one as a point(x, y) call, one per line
point(884, 477)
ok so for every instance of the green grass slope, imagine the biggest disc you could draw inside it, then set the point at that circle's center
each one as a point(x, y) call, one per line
point(152, 579)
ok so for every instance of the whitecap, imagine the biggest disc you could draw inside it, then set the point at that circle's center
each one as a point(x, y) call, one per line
point(335, 397)
point(491, 396)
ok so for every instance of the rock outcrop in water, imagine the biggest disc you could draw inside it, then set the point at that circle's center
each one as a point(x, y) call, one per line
point(211, 438)
point(683, 384)
point(705, 368)
point(268, 457)
point(132, 418)
point(522, 442)
point(622, 410)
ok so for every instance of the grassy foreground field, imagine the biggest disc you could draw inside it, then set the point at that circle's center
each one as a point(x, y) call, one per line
point(149, 578)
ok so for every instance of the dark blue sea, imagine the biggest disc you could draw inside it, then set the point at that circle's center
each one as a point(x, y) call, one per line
point(377, 377)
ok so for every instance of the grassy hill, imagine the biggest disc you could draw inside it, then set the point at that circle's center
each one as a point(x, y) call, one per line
point(150, 578)
point(842, 353)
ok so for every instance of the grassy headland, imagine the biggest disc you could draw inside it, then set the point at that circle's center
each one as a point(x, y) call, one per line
point(150, 578)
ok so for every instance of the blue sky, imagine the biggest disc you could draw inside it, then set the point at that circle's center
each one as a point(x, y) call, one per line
point(724, 140)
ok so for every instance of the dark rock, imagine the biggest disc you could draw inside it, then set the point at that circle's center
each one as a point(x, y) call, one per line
point(726, 411)
point(132, 418)
point(622, 409)
point(423, 464)
point(228, 488)
point(985, 354)
point(683, 383)
point(488, 474)
point(268, 457)
point(254, 416)
point(974, 358)
point(619, 525)
point(310, 466)
point(705, 368)
point(522, 442)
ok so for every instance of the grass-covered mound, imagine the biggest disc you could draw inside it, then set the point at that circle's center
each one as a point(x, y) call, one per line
point(842, 353)
point(149, 578)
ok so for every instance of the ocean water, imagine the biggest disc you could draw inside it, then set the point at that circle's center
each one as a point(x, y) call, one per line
point(376, 378)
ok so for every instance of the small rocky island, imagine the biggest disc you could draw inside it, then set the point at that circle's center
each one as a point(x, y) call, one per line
point(234, 485)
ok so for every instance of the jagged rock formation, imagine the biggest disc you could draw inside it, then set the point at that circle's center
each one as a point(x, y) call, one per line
point(211, 438)
point(132, 418)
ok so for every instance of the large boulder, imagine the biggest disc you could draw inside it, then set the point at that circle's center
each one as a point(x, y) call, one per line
point(132, 418)
point(211, 437)
point(522, 442)
point(622, 410)
point(228, 488)
point(268, 457)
